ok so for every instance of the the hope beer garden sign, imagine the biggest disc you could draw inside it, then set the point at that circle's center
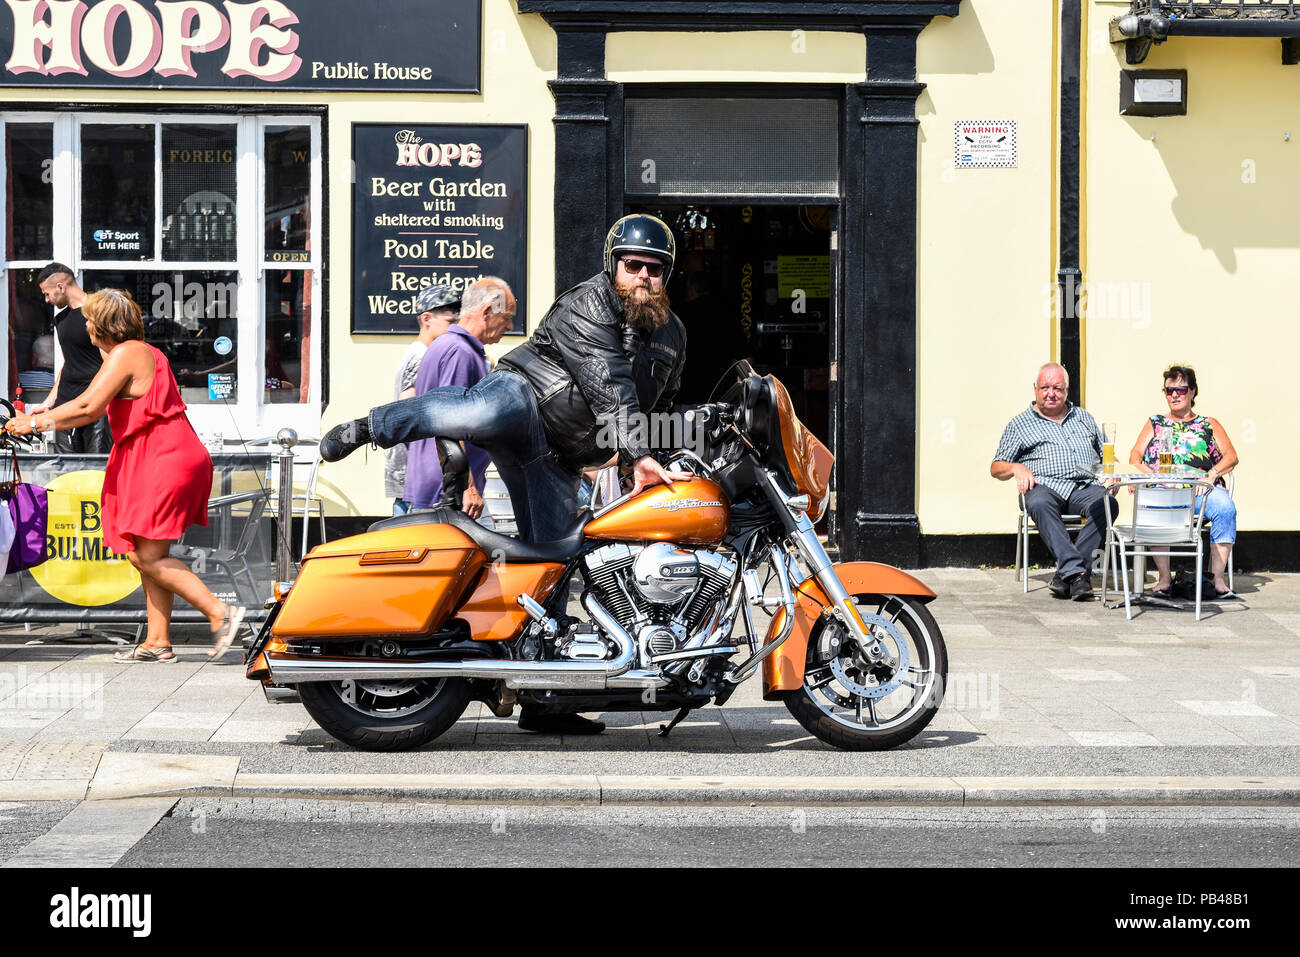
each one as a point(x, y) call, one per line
point(423, 45)
point(435, 204)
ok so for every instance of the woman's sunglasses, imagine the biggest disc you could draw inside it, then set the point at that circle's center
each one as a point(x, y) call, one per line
point(1176, 389)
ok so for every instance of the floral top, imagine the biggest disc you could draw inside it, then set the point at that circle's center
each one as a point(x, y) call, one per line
point(1193, 443)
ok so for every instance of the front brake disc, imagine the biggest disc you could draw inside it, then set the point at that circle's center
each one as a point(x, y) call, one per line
point(886, 632)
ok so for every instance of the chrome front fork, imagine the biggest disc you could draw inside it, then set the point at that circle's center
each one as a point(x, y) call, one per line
point(842, 607)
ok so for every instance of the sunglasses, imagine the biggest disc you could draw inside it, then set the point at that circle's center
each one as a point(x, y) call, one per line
point(1177, 389)
point(633, 267)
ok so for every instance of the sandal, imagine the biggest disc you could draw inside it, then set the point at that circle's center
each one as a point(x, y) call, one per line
point(1167, 593)
point(1226, 595)
point(223, 636)
point(141, 653)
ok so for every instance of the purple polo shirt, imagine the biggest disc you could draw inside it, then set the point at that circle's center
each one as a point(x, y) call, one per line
point(456, 358)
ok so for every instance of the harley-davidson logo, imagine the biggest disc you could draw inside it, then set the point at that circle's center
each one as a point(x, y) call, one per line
point(674, 505)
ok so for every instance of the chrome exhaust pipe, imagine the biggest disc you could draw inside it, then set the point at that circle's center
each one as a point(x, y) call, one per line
point(578, 675)
point(277, 695)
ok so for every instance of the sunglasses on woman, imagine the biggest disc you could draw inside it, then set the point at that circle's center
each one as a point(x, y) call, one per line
point(1176, 389)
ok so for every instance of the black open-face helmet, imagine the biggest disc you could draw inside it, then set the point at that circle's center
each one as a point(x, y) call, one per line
point(640, 233)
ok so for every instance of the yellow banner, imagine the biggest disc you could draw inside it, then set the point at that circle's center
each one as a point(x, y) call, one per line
point(79, 567)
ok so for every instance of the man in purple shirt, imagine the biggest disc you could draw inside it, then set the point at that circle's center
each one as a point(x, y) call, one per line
point(456, 358)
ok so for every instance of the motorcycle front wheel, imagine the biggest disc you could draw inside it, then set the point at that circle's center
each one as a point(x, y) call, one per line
point(386, 715)
point(858, 700)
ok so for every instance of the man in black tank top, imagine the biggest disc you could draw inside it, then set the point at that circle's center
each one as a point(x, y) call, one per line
point(81, 360)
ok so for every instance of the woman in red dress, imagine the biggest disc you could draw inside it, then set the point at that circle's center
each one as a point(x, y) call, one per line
point(159, 474)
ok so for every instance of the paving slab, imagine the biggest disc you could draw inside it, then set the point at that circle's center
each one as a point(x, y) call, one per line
point(126, 775)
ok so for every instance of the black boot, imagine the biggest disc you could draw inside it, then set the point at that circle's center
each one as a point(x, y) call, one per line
point(343, 440)
point(543, 722)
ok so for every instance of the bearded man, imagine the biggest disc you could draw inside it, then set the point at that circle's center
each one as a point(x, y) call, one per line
point(608, 354)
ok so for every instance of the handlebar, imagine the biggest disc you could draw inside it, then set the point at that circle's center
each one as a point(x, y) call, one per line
point(8, 441)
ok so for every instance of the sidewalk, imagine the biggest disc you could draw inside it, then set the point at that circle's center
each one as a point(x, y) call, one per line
point(1048, 701)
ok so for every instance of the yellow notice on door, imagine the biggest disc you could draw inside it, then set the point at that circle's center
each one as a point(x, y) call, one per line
point(79, 568)
point(812, 274)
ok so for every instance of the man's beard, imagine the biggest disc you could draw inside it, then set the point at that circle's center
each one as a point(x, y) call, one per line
point(648, 314)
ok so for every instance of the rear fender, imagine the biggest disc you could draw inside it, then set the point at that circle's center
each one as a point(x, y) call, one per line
point(783, 668)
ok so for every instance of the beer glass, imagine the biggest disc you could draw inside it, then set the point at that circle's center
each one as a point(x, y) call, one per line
point(1165, 449)
point(1108, 447)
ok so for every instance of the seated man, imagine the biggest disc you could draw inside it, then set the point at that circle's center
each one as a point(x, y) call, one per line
point(1051, 450)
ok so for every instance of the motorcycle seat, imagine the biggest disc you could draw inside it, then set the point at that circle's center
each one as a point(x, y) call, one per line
point(498, 546)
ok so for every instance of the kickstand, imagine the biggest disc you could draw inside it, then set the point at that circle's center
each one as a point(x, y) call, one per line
point(666, 729)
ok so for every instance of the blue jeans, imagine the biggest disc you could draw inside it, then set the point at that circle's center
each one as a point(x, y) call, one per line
point(1221, 511)
point(500, 415)
point(400, 506)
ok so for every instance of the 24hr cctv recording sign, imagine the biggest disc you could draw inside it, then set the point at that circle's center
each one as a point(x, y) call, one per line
point(423, 45)
point(984, 144)
point(438, 205)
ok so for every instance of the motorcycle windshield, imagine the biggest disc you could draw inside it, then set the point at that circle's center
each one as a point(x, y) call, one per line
point(729, 386)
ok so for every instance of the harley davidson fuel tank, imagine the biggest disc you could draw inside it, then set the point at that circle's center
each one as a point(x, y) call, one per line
point(693, 512)
point(397, 581)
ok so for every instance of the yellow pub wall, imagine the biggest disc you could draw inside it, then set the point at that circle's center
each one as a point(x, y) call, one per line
point(1218, 253)
point(985, 255)
point(1200, 211)
point(1190, 246)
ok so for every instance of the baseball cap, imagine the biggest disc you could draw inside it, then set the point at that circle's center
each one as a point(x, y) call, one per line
point(436, 297)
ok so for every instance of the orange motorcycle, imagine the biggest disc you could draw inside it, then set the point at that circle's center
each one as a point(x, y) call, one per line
point(387, 636)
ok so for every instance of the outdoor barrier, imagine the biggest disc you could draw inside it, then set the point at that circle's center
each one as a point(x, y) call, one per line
point(82, 580)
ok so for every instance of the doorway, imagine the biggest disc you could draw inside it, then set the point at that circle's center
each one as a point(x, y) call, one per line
point(755, 281)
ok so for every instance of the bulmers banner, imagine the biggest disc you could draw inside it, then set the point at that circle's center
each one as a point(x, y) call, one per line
point(82, 579)
point(431, 46)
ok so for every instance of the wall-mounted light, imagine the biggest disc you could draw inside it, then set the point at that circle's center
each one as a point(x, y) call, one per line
point(1153, 92)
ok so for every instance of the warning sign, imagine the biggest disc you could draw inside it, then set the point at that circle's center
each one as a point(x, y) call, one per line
point(981, 144)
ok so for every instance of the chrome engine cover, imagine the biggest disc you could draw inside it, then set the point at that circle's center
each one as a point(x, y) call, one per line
point(653, 640)
point(665, 574)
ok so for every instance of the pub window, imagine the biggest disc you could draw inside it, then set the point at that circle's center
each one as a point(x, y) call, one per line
point(211, 224)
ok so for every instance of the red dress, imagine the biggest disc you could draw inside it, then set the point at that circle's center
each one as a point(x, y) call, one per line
point(159, 475)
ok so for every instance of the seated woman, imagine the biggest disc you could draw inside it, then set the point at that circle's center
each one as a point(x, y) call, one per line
point(1197, 442)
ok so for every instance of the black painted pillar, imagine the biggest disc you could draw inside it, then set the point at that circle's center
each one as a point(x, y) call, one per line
point(1069, 277)
point(876, 492)
point(582, 151)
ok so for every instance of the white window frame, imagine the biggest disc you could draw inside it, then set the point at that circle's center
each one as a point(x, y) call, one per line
point(248, 416)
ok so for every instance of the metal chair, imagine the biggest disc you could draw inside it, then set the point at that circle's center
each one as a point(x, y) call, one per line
point(1025, 526)
point(1166, 520)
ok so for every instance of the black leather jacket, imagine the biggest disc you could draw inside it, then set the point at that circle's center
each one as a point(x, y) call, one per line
point(593, 373)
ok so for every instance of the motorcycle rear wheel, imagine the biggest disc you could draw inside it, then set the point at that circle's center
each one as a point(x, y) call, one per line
point(849, 704)
point(386, 716)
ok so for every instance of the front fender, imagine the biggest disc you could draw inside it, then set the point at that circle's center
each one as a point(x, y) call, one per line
point(783, 668)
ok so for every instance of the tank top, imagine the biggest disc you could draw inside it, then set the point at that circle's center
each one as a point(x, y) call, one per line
point(1194, 443)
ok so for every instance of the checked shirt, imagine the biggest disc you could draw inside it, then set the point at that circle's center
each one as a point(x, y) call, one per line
point(1061, 456)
